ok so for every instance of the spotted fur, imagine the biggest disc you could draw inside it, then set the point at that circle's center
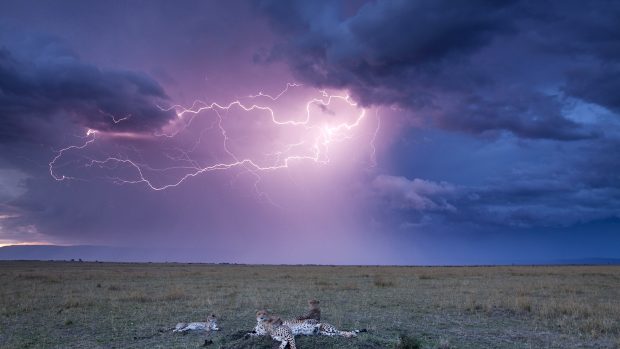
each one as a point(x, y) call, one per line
point(302, 327)
point(326, 329)
point(209, 325)
point(321, 328)
point(276, 329)
point(298, 327)
point(260, 329)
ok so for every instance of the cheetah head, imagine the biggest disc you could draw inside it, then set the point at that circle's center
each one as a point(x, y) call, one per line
point(262, 315)
point(313, 303)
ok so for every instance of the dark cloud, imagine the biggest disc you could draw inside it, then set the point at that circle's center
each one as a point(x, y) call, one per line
point(526, 114)
point(434, 58)
point(539, 203)
point(385, 43)
point(525, 204)
point(585, 189)
point(598, 167)
point(580, 29)
point(599, 85)
point(388, 36)
point(44, 81)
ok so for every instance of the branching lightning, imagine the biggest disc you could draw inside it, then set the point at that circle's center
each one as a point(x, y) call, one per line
point(90, 137)
point(115, 119)
point(320, 136)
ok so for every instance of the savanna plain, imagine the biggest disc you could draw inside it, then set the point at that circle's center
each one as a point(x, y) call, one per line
point(114, 305)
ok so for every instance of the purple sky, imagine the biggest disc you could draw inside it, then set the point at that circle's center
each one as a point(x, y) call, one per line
point(417, 132)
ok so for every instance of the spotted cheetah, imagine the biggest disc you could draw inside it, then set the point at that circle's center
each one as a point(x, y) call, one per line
point(209, 325)
point(276, 329)
point(260, 329)
point(314, 311)
point(298, 327)
point(302, 327)
point(325, 329)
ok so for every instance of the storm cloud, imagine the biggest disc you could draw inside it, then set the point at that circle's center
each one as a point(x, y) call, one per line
point(453, 63)
point(41, 80)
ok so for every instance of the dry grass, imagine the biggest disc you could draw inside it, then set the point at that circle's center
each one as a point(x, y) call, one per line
point(174, 294)
point(101, 305)
point(382, 282)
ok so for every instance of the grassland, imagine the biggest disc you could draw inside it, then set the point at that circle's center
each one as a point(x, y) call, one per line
point(108, 305)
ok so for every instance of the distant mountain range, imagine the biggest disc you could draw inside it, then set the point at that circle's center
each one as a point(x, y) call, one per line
point(100, 253)
point(130, 254)
point(590, 261)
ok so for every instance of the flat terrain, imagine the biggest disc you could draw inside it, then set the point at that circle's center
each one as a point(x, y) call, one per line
point(109, 305)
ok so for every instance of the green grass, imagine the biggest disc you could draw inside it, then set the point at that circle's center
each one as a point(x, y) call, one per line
point(111, 305)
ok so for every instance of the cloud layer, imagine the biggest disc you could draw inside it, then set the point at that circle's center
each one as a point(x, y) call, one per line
point(459, 65)
point(41, 79)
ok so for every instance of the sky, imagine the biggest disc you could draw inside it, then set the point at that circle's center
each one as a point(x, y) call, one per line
point(354, 132)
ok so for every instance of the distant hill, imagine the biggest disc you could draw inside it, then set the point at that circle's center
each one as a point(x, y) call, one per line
point(590, 261)
point(100, 253)
point(52, 252)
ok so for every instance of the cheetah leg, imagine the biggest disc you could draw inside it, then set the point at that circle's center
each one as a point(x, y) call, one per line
point(291, 343)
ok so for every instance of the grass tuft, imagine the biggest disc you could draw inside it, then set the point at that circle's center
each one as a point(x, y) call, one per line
point(137, 296)
point(381, 282)
point(407, 342)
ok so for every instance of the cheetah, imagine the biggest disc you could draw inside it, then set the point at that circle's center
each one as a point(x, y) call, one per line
point(275, 328)
point(302, 327)
point(260, 329)
point(325, 329)
point(314, 311)
point(209, 325)
point(298, 327)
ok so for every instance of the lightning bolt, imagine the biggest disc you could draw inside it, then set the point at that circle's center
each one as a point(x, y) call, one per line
point(323, 135)
point(373, 153)
point(114, 118)
point(90, 138)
